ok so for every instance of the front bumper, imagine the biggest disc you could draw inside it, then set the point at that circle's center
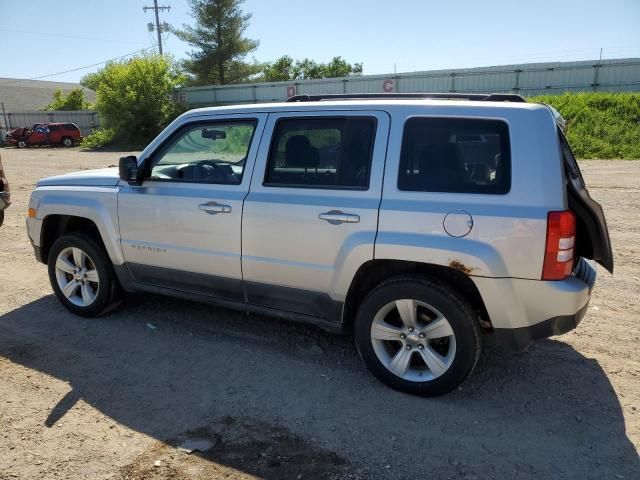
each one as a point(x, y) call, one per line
point(34, 228)
point(37, 251)
point(4, 200)
point(522, 311)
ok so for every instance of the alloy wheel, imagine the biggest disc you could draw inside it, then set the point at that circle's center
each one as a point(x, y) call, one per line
point(77, 276)
point(413, 340)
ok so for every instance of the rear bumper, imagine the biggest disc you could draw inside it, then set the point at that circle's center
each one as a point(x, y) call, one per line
point(525, 310)
point(518, 339)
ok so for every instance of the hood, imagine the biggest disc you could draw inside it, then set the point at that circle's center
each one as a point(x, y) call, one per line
point(16, 132)
point(104, 177)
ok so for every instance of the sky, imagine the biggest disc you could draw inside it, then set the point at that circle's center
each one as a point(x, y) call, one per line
point(40, 38)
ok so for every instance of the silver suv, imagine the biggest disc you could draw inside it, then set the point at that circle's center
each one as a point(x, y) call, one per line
point(416, 223)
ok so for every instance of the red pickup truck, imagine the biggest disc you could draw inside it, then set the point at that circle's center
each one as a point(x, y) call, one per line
point(66, 134)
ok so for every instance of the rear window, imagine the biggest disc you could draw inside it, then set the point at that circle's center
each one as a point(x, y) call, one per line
point(455, 155)
point(571, 164)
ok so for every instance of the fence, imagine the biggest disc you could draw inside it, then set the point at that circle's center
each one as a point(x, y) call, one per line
point(527, 79)
point(87, 120)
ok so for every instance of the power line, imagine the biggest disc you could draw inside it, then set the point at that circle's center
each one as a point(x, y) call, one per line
point(159, 28)
point(79, 68)
point(62, 35)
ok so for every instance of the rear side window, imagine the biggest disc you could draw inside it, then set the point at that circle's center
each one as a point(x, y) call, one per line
point(70, 128)
point(54, 128)
point(325, 152)
point(456, 155)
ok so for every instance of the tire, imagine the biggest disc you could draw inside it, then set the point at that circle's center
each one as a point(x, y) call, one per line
point(67, 142)
point(22, 144)
point(430, 358)
point(88, 298)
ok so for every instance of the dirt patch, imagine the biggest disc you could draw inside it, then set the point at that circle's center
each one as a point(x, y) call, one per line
point(239, 449)
point(107, 398)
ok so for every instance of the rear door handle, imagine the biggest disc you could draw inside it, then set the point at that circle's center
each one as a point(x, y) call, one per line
point(214, 207)
point(336, 217)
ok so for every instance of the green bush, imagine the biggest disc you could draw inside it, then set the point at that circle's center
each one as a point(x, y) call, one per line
point(600, 125)
point(134, 99)
point(74, 100)
point(99, 138)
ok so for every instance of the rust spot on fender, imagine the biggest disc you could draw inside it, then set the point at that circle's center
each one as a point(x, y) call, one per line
point(461, 267)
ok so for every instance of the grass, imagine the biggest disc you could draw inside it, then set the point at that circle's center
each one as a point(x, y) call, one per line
point(599, 125)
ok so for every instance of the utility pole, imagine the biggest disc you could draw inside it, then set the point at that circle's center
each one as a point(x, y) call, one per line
point(159, 28)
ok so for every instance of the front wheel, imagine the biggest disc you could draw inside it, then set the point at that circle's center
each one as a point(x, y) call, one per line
point(82, 276)
point(417, 336)
point(22, 144)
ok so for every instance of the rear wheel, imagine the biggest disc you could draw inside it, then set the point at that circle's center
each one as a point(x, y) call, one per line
point(21, 144)
point(417, 336)
point(82, 276)
point(67, 142)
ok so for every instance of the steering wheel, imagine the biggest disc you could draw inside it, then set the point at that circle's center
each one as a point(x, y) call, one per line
point(210, 170)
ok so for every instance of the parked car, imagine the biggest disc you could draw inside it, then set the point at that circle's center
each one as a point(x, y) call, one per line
point(5, 195)
point(416, 223)
point(65, 134)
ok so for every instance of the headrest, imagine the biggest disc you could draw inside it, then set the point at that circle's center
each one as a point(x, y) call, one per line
point(300, 153)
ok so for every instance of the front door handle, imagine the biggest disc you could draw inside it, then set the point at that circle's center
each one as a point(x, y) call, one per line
point(336, 217)
point(214, 207)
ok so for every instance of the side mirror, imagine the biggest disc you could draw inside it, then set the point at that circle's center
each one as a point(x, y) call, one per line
point(129, 171)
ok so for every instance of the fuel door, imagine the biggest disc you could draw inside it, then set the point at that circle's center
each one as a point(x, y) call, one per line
point(458, 223)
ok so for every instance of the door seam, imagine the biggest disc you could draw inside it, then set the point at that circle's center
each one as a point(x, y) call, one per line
point(253, 169)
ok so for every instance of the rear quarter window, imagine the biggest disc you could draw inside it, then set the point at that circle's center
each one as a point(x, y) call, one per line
point(455, 155)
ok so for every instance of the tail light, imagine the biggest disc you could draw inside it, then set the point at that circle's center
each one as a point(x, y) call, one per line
point(561, 239)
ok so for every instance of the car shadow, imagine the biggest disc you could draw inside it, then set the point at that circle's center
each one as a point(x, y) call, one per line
point(277, 399)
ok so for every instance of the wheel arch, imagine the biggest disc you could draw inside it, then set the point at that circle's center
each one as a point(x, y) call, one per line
point(374, 272)
point(56, 225)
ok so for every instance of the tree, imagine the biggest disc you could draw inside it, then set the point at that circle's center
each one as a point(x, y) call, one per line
point(74, 100)
point(338, 67)
point(285, 68)
point(134, 97)
point(220, 47)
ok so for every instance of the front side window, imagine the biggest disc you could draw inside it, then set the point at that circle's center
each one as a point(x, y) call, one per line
point(456, 155)
point(206, 153)
point(331, 152)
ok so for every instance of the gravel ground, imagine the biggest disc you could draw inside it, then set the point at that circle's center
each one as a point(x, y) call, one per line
point(113, 397)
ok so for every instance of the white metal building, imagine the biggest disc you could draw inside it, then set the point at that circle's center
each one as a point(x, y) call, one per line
point(526, 79)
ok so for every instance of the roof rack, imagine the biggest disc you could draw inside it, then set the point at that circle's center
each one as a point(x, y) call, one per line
point(480, 97)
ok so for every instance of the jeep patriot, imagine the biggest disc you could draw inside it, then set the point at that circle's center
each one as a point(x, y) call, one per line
point(416, 223)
